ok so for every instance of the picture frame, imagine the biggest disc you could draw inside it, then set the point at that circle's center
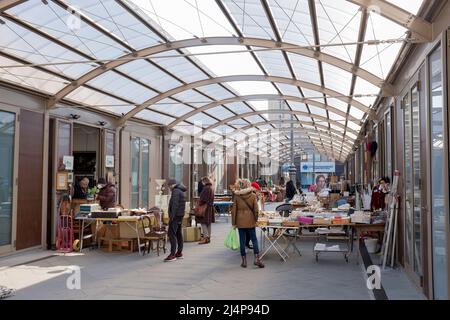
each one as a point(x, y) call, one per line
point(109, 162)
point(62, 180)
point(68, 162)
point(70, 177)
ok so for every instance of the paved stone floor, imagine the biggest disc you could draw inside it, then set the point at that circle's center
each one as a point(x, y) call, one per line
point(207, 272)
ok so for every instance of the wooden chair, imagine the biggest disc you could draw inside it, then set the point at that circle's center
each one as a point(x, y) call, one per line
point(153, 234)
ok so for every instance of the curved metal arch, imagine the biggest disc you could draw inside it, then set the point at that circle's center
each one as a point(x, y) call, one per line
point(253, 125)
point(293, 112)
point(290, 81)
point(325, 142)
point(269, 122)
point(284, 152)
point(418, 26)
point(322, 138)
point(218, 41)
point(298, 129)
point(264, 97)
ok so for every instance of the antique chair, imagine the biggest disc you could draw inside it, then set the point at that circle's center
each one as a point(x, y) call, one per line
point(153, 233)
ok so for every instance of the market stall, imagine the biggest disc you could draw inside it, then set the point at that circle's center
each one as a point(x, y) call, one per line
point(333, 228)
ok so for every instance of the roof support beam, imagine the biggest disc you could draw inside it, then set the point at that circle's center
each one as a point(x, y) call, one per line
point(264, 97)
point(274, 111)
point(421, 29)
point(6, 4)
point(359, 49)
point(311, 132)
point(201, 83)
point(269, 44)
point(300, 129)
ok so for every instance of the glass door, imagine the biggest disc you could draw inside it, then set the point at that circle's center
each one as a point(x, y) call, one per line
point(438, 179)
point(412, 181)
point(7, 137)
point(140, 177)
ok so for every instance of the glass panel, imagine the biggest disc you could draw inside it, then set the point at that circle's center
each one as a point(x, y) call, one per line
point(118, 85)
point(438, 210)
point(171, 107)
point(293, 21)
point(379, 58)
point(154, 117)
point(179, 66)
point(412, 6)
point(305, 68)
point(110, 136)
point(388, 144)
point(175, 167)
point(416, 179)
point(150, 75)
point(113, 17)
point(338, 22)
point(274, 63)
point(30, 77)
point(250, 17)
point(145, 153)
point(336, 78)
point(7, 131)
point(134, 172)
point(407, 181)
point(58, 22)
point(220, 113)
point(64, 141)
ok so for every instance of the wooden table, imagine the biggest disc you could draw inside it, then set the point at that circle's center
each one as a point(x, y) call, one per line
point(131, 221)
point(365, 227)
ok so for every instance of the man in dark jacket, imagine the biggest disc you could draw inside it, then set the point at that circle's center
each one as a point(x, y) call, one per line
point(177, 206)
point(107, 194)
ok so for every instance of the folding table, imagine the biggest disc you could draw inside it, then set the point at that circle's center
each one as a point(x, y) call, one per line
point(279, 233)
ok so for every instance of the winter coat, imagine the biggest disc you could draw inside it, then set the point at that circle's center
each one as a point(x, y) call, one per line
point(107, 196)
point(207, 196)
point(177, 203)
point(290, 190)
point(200, 187)
point(245, 211)
point(378, 199)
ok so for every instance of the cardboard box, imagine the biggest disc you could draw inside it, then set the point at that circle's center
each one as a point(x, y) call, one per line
point(191, 234)
point(334, 196)
point(186, 222)
point(361, 217)
point(127, 231)
point(290, 223)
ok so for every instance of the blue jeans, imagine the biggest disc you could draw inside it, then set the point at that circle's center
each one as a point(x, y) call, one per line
point(243, 233)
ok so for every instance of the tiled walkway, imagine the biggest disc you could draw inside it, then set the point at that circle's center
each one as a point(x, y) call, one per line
point(207, 272)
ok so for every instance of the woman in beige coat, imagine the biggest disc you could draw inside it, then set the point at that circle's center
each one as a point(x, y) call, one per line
point(244, 216)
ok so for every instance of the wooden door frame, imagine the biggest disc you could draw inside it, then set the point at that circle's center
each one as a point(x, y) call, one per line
point(54, 203)
point(12, 247)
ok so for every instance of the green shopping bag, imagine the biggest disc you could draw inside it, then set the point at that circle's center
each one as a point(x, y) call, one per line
point(231, 240)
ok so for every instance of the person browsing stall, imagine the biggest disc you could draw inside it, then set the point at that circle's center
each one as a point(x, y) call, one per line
point(177, 205)
point(244, 215)
point(81, 188)
point(206, 197)
point(107, 194)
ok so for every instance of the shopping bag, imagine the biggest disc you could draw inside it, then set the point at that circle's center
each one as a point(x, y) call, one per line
point(231, 240)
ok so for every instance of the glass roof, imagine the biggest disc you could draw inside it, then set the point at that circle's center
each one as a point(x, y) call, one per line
point(48, 46)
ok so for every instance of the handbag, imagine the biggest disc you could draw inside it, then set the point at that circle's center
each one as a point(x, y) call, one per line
point(199, 211)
